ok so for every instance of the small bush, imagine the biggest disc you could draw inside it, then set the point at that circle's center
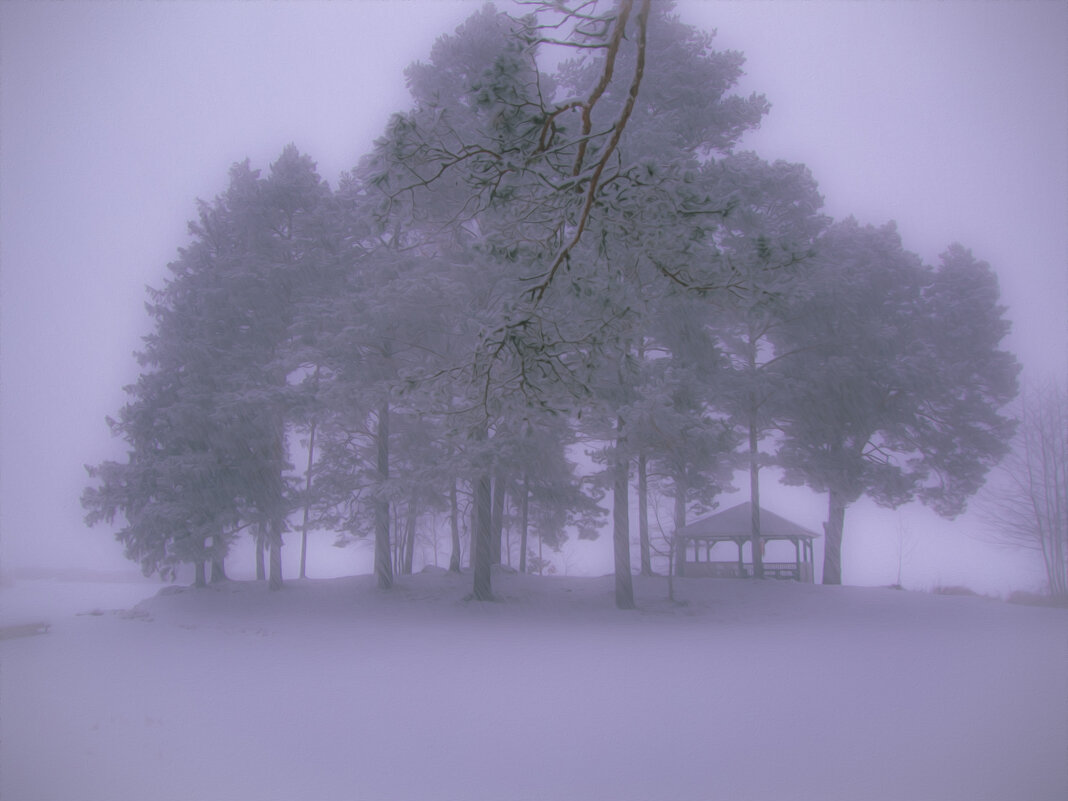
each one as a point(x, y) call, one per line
point(955, 590)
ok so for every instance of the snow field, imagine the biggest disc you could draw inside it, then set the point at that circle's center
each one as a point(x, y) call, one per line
point(333, 690)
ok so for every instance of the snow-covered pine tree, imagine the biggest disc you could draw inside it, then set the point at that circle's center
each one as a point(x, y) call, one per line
point(206, 422)
point(897, 381)
point(766, 241)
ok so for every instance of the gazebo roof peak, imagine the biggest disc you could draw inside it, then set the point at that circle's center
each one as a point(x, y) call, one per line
point(735, 522)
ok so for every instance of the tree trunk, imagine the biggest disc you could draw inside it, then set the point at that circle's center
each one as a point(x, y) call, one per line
point(274, 581)
point(383, 563)
point(621, 526)
point(756, 543)
point(409, 538)
point(481, 541)
point(681, 491)
point(524, 523)
point(398, 539)
point(454, 529)
point(671, 570)
point(218, 570)
point(200, 577)
point(674, 551)
point(260, 547)
point(643, 518)
point(497, 518)
point(307, 501)
point(832, 544)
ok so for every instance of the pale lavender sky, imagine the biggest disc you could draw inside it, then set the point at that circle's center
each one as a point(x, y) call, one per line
point(950, 118)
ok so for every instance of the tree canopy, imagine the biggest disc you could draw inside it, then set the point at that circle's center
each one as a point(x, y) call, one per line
point(527, 260)
point(897, 384)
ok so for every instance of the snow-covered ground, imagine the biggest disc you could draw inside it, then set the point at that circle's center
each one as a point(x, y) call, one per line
point(331, 689)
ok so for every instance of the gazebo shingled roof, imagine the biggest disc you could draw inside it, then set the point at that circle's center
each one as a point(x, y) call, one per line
point(735, 522)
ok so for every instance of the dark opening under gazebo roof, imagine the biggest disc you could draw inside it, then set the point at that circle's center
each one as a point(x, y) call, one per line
point(735, 522)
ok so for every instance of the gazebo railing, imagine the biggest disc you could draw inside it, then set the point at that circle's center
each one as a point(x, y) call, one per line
point(778, 570)
point(782, 570)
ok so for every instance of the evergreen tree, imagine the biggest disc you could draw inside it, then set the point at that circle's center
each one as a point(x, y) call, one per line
point(206, 422)
point(766, 241)
point(897, 383)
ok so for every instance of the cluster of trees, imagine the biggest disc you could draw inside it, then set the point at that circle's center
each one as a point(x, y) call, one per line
point(525, 261)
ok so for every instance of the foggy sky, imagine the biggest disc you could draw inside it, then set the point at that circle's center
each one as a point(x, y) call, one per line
point(949, 118)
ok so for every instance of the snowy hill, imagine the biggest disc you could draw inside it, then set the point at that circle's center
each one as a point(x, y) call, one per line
point(334, 690)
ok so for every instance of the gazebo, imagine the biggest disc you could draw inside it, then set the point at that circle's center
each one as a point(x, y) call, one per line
point(734, 525)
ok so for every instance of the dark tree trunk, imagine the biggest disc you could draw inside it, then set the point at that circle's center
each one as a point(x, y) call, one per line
point(275, 506)
point(621, 527)
point(497, 518)
point(524, 523)
point(645, 549)
point(218, 570)
point(454, 529)
point(261, 545)
point(397, 541)
point(672, 556)
point(675, 550)
point(274, 581)
point(756, 543)
point(832, 544)
point(681, 491)
point(307, 501)
point(383, 563)
point(200, 576)
point(409, 539)
point(481, 540)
